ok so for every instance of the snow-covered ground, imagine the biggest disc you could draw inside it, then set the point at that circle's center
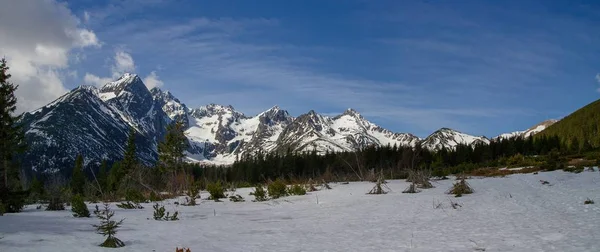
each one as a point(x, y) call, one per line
point(515, 213)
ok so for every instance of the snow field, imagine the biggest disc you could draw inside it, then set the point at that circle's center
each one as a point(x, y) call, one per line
point(515, 213)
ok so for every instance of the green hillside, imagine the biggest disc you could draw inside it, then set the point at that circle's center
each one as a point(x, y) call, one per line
point(580, 130)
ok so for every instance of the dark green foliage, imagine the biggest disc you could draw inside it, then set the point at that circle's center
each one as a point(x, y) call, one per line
point(78, 207)
point(11, 144)
point(129, 205)
point(277, 189)
point(161, 215)
point(55, 189)
point(574, 169)
point(193, 194)
point(129, 157)
point(36, 190)
point(77, 178)
point(259, 194)
point(12, 200)
point(114, 177)
point(553, 161)
point(579, 130)
point(236, 198)
point(297, 190)
point(588, 201)
point(171, 149)
point(154, 197)
point(108, 227)
point(2, 208)
point(216, 190)
point(135, 196)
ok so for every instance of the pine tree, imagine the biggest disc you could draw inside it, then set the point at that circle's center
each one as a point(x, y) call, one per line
point(78, 207)
point(11, 143)
point(170, 156)
point(108, 227)
point(129, 157)
point(114, 176)
point(78, 179)
point(171, 149)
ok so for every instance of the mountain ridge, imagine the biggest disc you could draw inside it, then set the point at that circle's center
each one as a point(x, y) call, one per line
point(97, 128)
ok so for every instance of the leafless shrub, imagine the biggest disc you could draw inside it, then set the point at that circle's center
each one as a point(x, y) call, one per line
point(461, 187)
point(412, 188)
point(420, 178)
point(378, 188)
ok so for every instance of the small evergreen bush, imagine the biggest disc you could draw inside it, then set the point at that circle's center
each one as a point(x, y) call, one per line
point(108, 227)
point(259, 194)
point(135, 196)
point(296, 190)
point(13, 201)
point(277, 189)
point(79, 208)
point(130, 205)
point(161, 215)
point(216, 191)
point(588, 201)
point(154, 197)
point(236, 198)
point(193, 194)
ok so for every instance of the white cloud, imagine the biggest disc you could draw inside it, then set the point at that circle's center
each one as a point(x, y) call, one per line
point(123, 63)
point(95, 80)
point(86, 17)
point(152, 80)
point(37, 38)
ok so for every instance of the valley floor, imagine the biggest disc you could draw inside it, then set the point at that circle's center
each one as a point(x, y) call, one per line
point(515, 213)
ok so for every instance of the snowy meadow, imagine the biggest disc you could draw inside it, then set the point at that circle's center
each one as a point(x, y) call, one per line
point(513, 213)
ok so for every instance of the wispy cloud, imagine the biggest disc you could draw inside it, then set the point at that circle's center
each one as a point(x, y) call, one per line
point(436, 65)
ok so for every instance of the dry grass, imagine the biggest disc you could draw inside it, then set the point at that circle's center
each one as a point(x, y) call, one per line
point(420, 178)
point(461, 187)
point(495, 172)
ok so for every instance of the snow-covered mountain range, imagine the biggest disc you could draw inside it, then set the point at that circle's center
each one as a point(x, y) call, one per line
point(94, 122)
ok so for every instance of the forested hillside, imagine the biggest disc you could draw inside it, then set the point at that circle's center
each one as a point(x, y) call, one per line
point(579, 130)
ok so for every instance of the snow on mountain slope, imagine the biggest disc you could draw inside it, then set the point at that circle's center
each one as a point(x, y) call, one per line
point(95, 122)
point(529, 132)
point(346, 132)
point(449, 139)
point(175, 109)
point(222, 134)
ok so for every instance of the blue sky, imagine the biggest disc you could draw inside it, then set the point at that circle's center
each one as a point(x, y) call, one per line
point(481, 67)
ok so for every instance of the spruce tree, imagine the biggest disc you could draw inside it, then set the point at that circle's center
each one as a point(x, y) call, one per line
point(129, 157)
point(171, 149)
point(114, 177)
point(78, 179)
point(108, 227)
point(11, 143)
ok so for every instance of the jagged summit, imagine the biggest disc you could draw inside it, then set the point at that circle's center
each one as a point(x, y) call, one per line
point(216, 133)
point(449, 139)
